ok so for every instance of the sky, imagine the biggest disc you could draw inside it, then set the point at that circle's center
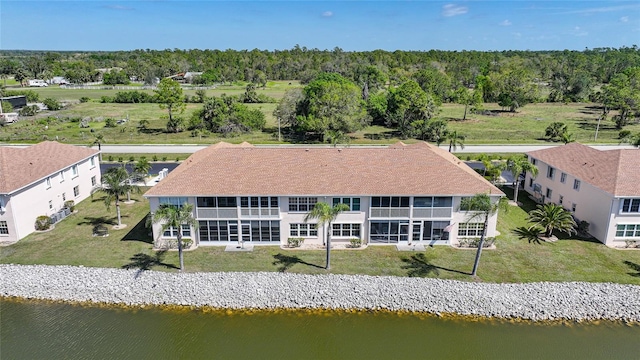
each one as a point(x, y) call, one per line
point(349, 25)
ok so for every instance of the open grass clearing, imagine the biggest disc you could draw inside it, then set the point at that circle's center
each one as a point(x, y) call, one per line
point(514, 260)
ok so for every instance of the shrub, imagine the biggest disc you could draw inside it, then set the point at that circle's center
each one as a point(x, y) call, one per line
point(110, 158)
point(110, 122)
point(29, 110)
point(106, 99)
point(31, 95)
point(177, 158)
point(43, 222)
point(583, 227)
point(624, 134)
point(186, 243)
point(632, 244)
point(356, 242)
point(84, 99)
point(294, 242)
point(120, 159)
point(155, 157)
point(52, 104)
point(132, 159)
point(473, 243)
point(70, 204)
point(164, 158)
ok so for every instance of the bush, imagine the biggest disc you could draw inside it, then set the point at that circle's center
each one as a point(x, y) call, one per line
point(31, 95)
point(164, 158)
point(133, 97)
point(70, 204)
point(294, 242)
point(84, 99)
point(177, 159)
point(110, 122)
point(186, 243)
point(43, 222)
point(120, 159)
point(106, 99)
point(155, 158)
point(52, 104)
point(29, 110)
point(132, 159)
point(110, 158)
point(473, 243)
point(355, 242)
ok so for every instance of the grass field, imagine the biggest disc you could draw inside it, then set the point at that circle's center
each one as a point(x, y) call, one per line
point(514, 260)
point(527, 126)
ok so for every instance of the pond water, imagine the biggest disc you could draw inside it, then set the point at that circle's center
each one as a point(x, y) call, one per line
point(44, 330)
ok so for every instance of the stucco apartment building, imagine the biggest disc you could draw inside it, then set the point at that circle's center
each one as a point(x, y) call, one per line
point(600, 187)
point(397, 194)
point(37, 180)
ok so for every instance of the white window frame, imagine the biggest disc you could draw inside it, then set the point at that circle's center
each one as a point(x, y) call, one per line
point(92, 161)
point(48, 182)
point(576, 185)
point(173, 232)
point(348, 201)
point(563, 177)
point(551, 172)
point(76, 191)
point(4, 228)
point(306, 203)
point(560, 199)
point(472, 230)
point(574, 206)
point(74, 171)
point(634, 231)
point(50, 204)
point(628, 209)
point(303, 230)
point(94, 181)
point(62, 176)
point(346, 230)
point(549, 193)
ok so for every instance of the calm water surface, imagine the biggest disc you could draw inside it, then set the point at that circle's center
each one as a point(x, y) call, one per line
point(40, 330)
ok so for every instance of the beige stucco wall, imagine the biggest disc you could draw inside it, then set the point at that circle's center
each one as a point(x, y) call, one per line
point(617, 217)
point(26, 204)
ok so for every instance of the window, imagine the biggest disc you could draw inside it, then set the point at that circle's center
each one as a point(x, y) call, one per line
point(1, 204)
point(551, 172)
point(353, 203)
point(390, 231)
point(93, 161)
point(173, 201)
point(4, 228)
point(386, 201)
point(470, 229)
point(74, 170)
point(576, 185)
point(215, 230)
point(64, 196)
point(50, 204)
point(93, 181)
point(530, 182)
point(76, 190)
point(631, 205)
point(534, 161)
point(345, 230)
point(548, 193)
point(258, 202)
point(219, 202)
point(303, 230)
point(173, 232)
point(622, 230)
point(302, 203)
point(48, 182)
point(573, 207)
point(62, 176)
point(563, 177)
point(560, 199)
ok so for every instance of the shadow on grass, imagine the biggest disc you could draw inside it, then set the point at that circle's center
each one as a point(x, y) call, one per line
point(139, 233)
point(285, 262)
point(418, 266)
point(633, 266)
point(144, 262)
point(531, 234)
point(95, 221)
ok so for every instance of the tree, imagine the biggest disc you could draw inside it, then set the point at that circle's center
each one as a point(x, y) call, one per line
point(516, 86)
point(634, 140)
point(143, 125)
point(555, 130)
point(141, 170)
point(115, 184)
point(20, 76)
point(551, 217)
point(98, 139)
point(455, 140)
point(325, 214)
point(169, 96)
point(481, 205)
point(567, 137)
point(171, 216)
point(467, 97)
point(623, 94)
point(407, 104)
point(517, 165)
point(437, 131)
point(6, 107)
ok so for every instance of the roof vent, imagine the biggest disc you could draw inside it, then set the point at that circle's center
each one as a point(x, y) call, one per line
point(306, 150)
point(339, 150)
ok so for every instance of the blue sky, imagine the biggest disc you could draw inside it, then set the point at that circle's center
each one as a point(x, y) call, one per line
point(350, 25)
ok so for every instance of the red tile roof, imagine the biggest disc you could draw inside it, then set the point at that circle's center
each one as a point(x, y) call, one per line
point(21, 167)
point(614, 171)
point(225, 169)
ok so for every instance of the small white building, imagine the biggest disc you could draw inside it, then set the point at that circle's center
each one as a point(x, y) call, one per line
point(600, 187)
point(400, 194)
point(38, 180)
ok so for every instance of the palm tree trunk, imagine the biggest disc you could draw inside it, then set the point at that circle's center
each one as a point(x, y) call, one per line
point(465, 112)
point(118, 212)
point(515, 190)
point(480, 245)
point(450, 146)
point(328, 267)
point(180, 256)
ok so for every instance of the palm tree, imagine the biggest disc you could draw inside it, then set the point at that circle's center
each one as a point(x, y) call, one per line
point(480, 205)
point(517, 165)
point(551, 217)
point(175, 216)
point(567, 137)
point(455, 140)
point(115, 184)
point(326, 215)
point(99, 140)
point(141, 170)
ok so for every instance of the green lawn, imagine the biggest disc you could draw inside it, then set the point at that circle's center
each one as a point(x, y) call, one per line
point(514, 260)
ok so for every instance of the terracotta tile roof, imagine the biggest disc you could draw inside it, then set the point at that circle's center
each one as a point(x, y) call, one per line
point(614, 171)
point(225, 169)
point(21, 167)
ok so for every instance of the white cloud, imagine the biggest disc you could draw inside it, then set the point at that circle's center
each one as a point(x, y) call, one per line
point(454, 10)
point(607, 9)
point(327, 14)
point(505, 23)
point(624, 19)
point(578, 31)
point(118, 7)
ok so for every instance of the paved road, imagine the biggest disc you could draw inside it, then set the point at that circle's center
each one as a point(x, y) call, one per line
point(188, 149)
